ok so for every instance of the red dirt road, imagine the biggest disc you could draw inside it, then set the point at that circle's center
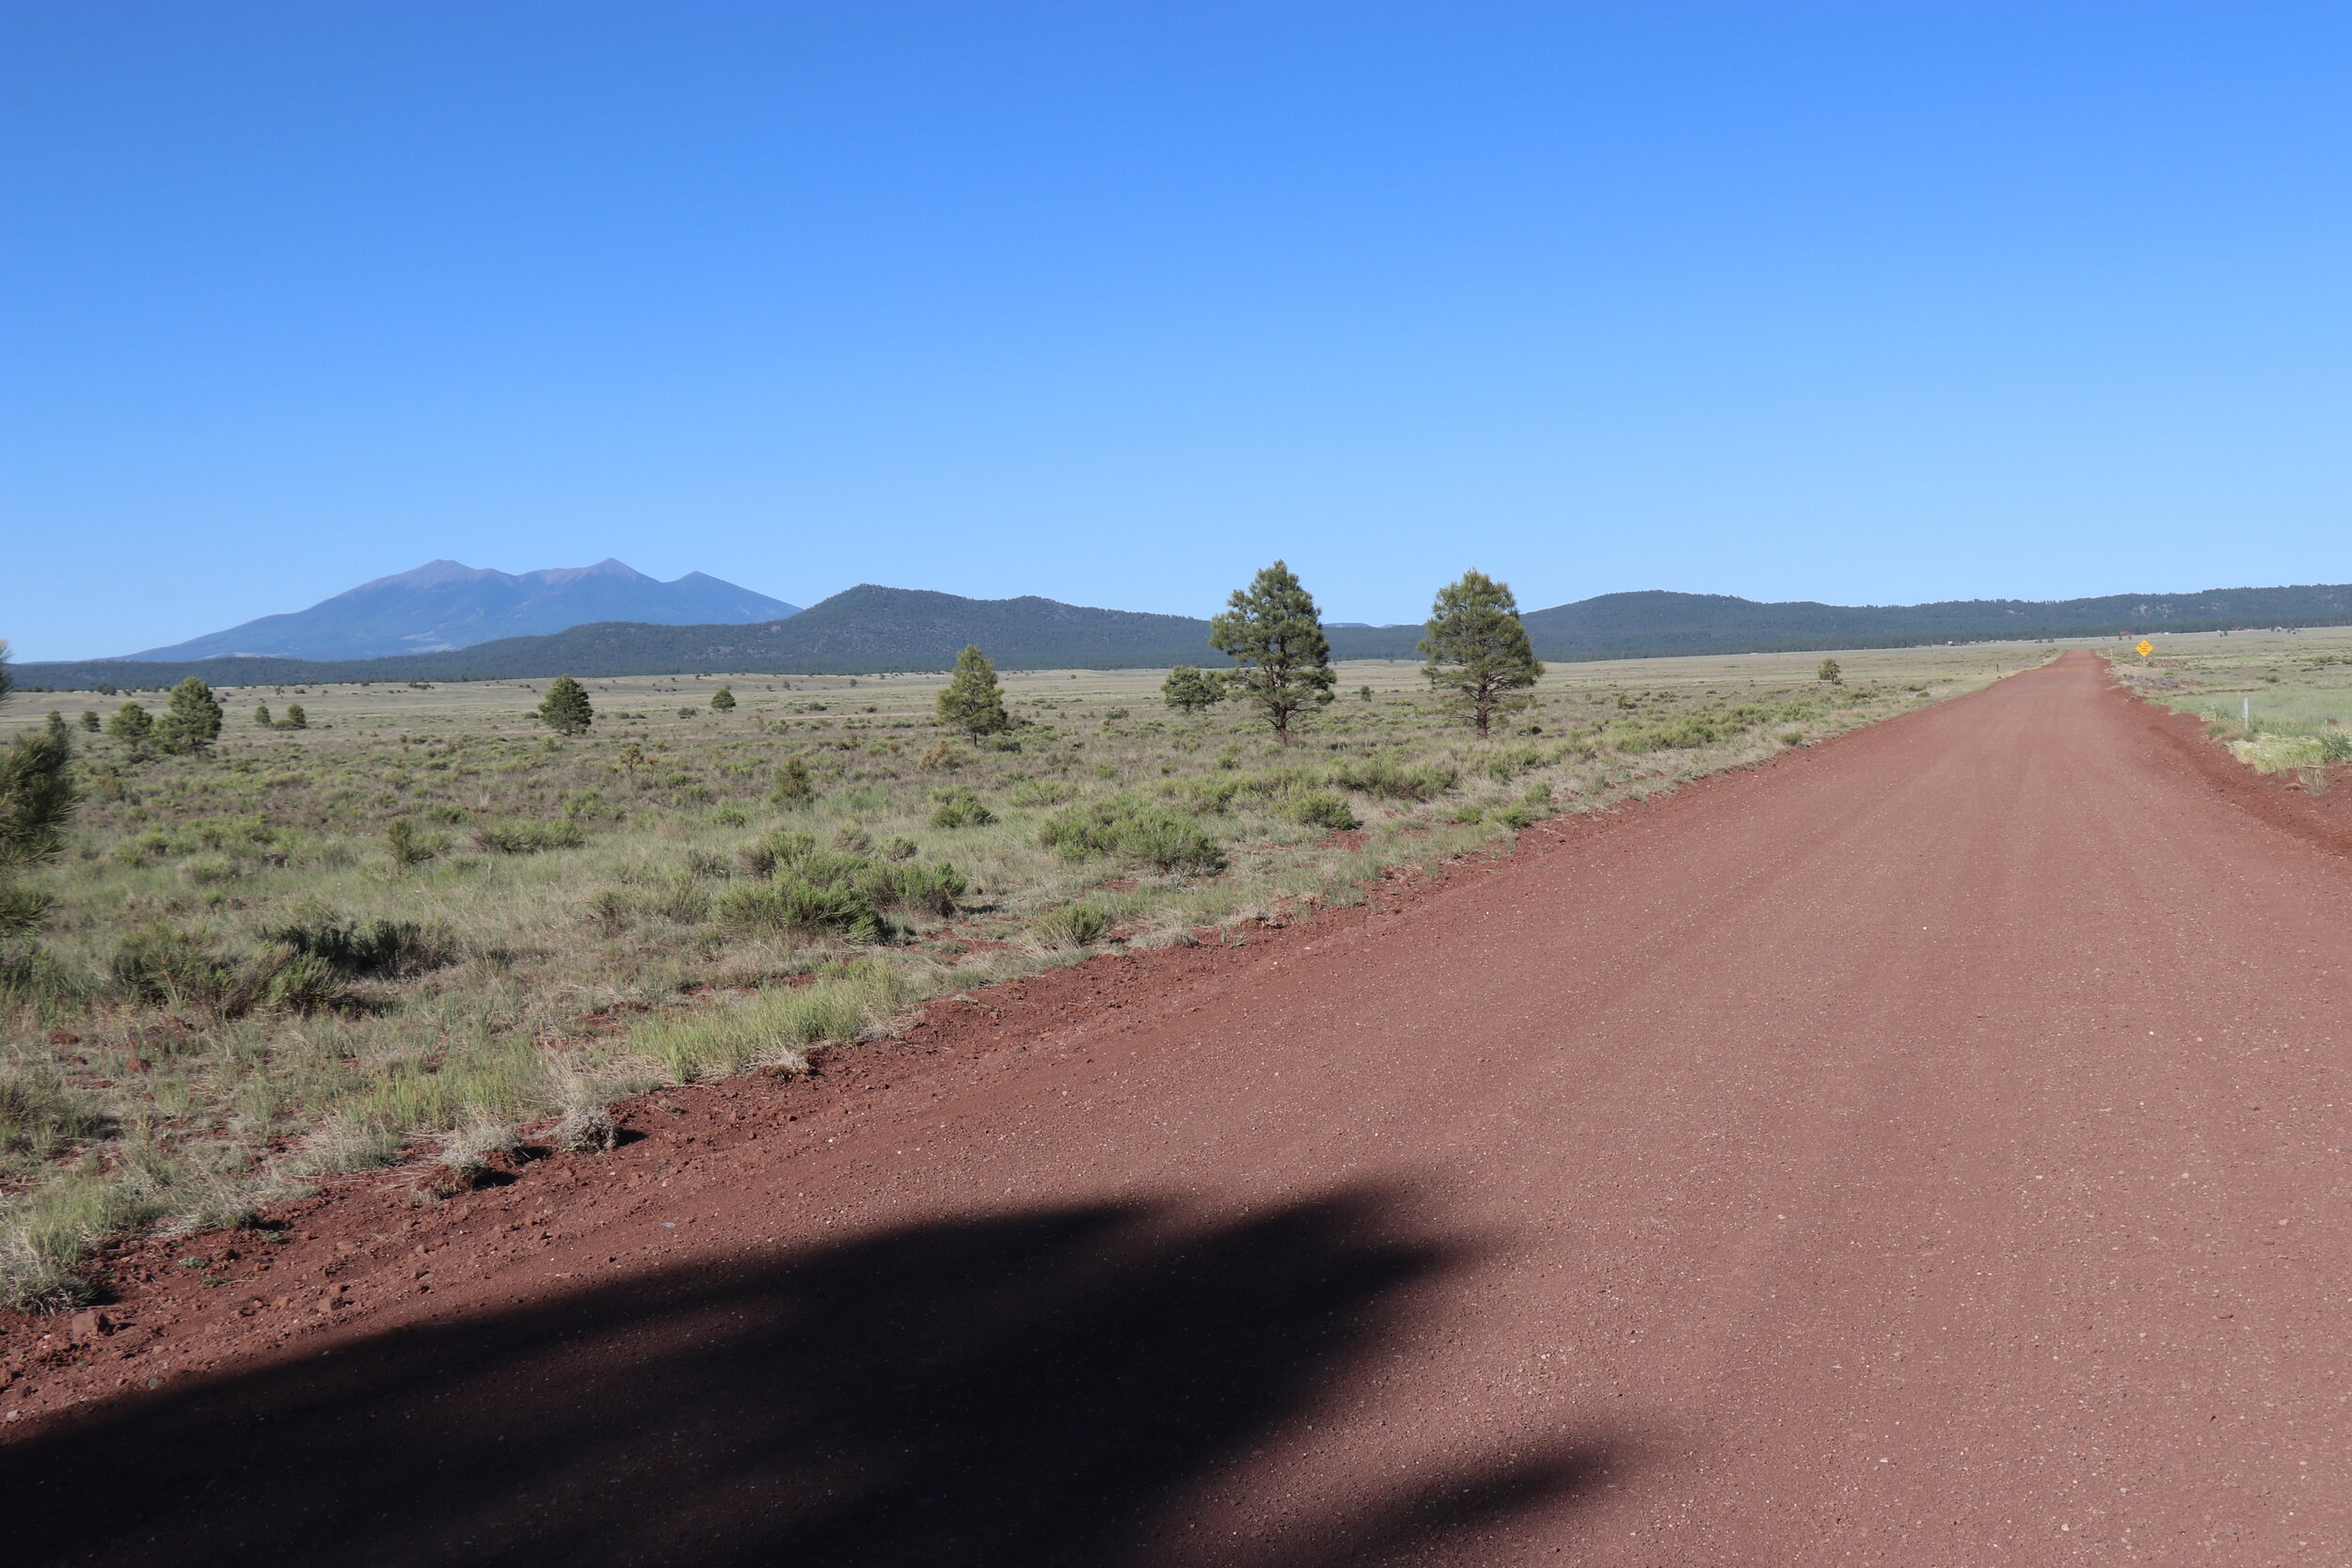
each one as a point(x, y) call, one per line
point(1929, 1150)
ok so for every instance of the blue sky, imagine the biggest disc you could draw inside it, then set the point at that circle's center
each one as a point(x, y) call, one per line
point(1113, 303)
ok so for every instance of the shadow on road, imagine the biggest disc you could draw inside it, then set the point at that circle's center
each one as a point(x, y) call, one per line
point(1041, 1389)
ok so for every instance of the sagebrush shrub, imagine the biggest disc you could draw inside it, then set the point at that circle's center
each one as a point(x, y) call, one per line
point(158, 962)
point(385, 949)
point(1320, 809)
point(1070, 925)
point(528, 838)
point(962, 808)
point(1391, 780)
point(793, 904)
point(1123, 827)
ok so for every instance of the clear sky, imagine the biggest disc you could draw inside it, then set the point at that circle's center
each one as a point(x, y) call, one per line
point(1115, 302)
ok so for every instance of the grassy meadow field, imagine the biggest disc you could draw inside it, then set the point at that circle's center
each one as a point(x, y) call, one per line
point(424, 927)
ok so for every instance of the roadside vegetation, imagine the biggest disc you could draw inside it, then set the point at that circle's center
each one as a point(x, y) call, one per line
point(2281, 702)
point(245, 954)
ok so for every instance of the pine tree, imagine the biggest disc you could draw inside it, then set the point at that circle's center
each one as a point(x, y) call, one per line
point(1274, 637)
point(970, 701)
point(1192, 690)
point(1830, 672)
point(1477, 647)
point(723, 701)
point(296, 717)
point(261, 718)
point(191, 720)
point(36, 798)
point(90, 721)
point(566, 709)
point(795, 785)
point(7, 676)
point(60, 731)
point(131, 724)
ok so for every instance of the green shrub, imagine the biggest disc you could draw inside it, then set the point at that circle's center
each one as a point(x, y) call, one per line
point(1320, 809)
point(210, 870)
point(299, 982)
point(791, 903)
point(385, 949)
point(926, 889)
point(1687, 733)
point(528, 838)
point(160, 963)
point(1126, 829)
point(794, 785)
point(409, 848)
point(960, 808)
point(1070, 925)
point(1390, 780)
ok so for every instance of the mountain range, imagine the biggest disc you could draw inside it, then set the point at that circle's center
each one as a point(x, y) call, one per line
point(869, 629)
point(447, 604)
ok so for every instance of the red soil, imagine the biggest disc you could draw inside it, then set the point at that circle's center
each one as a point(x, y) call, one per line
point(1927, 1149)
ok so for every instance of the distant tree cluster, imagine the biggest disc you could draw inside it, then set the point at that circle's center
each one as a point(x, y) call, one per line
point(1479, 658)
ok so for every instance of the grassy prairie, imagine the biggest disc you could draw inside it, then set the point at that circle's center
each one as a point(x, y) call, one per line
point(423, 922)
point(2281, 700)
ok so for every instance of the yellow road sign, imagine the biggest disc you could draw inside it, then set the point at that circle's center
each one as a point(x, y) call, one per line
point(2146, 647)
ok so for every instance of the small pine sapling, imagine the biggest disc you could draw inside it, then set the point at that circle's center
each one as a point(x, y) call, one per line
point(191, 719)
point(566, 709)
point(971, 700)
point(794, 787)
point(131, 724)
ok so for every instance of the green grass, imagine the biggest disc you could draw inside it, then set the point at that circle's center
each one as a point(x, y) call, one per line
point(2280, 704)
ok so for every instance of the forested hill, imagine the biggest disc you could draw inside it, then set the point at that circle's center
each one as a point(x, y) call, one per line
point(1636, 624)
point(869, 629)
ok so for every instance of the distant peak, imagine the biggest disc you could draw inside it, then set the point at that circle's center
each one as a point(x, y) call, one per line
point(608, 567)
point(432, 573)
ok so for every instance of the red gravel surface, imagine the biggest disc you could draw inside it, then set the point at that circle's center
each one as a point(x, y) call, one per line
point(1930, 1149)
